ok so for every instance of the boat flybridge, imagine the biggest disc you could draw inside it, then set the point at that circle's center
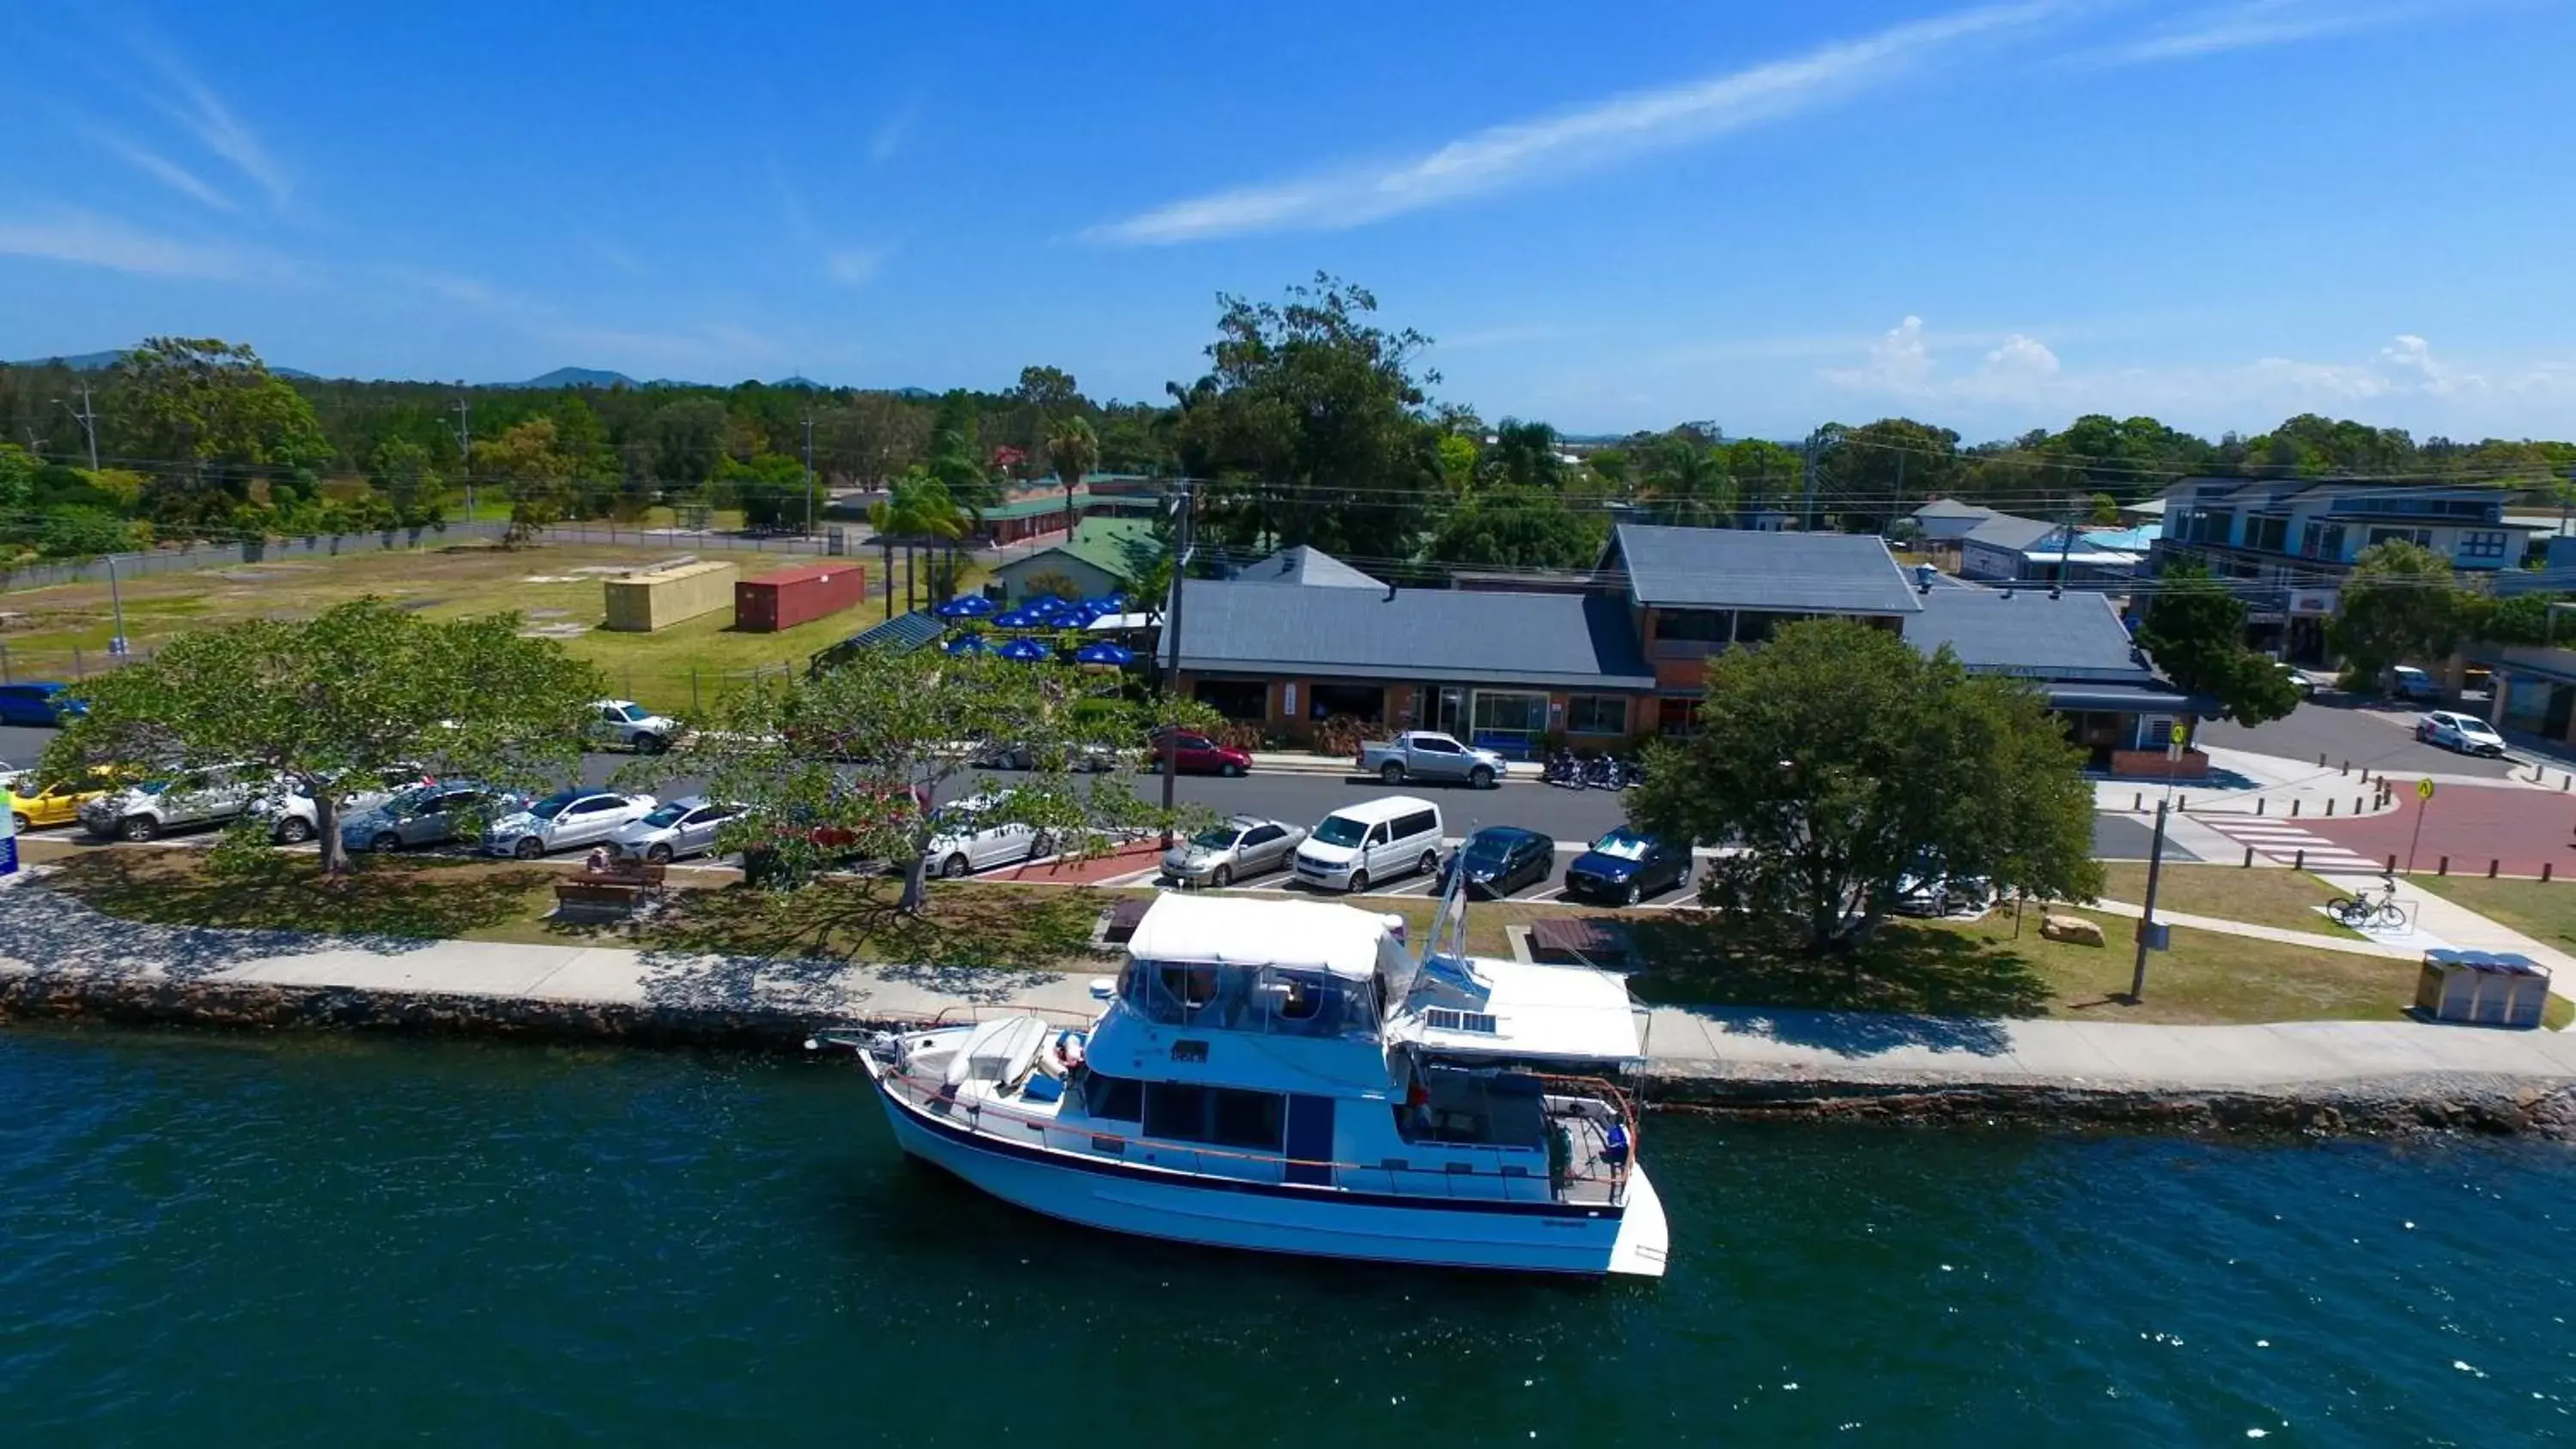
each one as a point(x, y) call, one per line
point(1287, 1077)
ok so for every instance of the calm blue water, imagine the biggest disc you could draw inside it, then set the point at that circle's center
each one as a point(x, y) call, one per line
point(251, 1240)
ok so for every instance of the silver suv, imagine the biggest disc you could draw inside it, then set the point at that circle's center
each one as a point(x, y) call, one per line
point(564, 819)
point(188, 798)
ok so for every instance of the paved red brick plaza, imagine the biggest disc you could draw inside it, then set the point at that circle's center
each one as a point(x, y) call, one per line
point(2518, 828)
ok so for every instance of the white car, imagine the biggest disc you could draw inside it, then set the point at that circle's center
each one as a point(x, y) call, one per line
point(628, 725)
point(967, 841)
point(2466, 733)
point(564, 819)
point(293, 818)
point(188, 798)
point(682, 827)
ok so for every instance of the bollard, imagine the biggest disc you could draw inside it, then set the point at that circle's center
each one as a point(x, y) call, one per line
point(2329, 809)
point(2298, 860)
point(2491, 868)
point(2294, 809)
point(2545, 867)
point(2249, 857)
point(2347, 767)
point(2356, 806)
point(2444, 868)
point(2321, 759)
point(2392, 862)
point(2258, 804)
point(2182, 802)
point(2138, 803)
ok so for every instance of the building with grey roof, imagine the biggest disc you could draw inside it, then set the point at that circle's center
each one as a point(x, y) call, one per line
point(1309, 566)
point(1944, 521)
point(2009, 549)
point(1734, 568)
point(2076, 650)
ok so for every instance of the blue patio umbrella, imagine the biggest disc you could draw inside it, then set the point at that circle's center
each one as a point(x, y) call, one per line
point(1026, 651)
point(1104, 652)
point(966, 644)
point(965, 606)
point(1022, 617)
point(1107, 604)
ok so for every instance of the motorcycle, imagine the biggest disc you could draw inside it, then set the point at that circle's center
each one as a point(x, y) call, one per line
point(1563, 769)
point(1602, 773)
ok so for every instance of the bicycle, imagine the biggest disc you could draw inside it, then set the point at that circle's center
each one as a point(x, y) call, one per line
point(2365, 910)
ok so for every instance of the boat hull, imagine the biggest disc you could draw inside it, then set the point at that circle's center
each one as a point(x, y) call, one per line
point(1276, 1218)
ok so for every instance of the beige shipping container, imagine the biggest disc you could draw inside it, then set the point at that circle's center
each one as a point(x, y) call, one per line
point(642, 603)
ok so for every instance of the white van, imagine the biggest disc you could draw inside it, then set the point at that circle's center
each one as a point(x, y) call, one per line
point(1375, 841)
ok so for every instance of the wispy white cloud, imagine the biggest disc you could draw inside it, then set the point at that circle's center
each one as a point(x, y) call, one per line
point(890, 135)
point(195, 108)
point(855, 266)
point(618, 257)
point(449, 286)
point(162, 169)
point(84, 238)
point(1509, 155)
point(2247, 25)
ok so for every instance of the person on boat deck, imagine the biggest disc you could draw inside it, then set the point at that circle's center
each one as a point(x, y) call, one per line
point(597, 864)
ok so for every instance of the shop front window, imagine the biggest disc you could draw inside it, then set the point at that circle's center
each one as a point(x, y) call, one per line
point(1596, 714)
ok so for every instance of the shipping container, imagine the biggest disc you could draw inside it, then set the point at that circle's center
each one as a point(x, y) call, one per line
point(642, 603)
point(796, 596)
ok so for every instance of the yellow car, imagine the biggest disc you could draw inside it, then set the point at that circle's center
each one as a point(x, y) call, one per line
point(53, 805)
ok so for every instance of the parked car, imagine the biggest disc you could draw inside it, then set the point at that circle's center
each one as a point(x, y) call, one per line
point(427, 815)
point(2465, 733)
point(564, 819)
point(686, 826)
point(1501, 859)
point(1429, 755)
point(1929, 891)
point(1626, 866)
point(1376, 840)
point(56, 804)
point(178, 802)
point(1242, 847)
point(1087, 757)
point(2408, 682)
point(970, 840)
point(628, 725)
point(294, 817)
point(2298, 678)
point(1195, 754)
point(38, 703)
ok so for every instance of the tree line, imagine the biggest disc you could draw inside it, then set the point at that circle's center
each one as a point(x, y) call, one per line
point(1314, 422)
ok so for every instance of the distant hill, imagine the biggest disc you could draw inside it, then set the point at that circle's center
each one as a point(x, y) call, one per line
point(800, 380)
point(86, 362)
point(577, 377)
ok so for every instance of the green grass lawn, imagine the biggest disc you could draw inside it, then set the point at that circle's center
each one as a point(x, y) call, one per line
point(1980, 968)
point(2544, 911)
point(443, 580)
point(2283, 898)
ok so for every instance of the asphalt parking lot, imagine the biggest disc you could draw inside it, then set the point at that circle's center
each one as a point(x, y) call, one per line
point(2343, 727)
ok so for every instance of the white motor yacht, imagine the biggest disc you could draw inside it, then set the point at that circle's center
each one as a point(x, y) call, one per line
point(1286, 1077)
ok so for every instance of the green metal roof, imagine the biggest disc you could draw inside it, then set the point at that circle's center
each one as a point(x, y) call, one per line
point(1037, 507)
point(1102, 543)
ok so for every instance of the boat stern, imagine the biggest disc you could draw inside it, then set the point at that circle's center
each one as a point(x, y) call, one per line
point(1643, 1243)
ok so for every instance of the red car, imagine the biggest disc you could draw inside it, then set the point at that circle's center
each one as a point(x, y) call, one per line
point(1195, 754)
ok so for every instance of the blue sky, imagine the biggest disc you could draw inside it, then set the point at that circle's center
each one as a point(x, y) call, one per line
point(1994, 217)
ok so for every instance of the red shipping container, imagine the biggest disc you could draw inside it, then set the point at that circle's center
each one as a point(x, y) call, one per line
point(796, 596)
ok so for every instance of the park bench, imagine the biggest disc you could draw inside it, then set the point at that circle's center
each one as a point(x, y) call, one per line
point(610, 895)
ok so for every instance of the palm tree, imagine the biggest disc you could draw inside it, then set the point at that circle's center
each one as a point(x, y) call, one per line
point(917, 511)
point(1688, 483)
point(1073, 449)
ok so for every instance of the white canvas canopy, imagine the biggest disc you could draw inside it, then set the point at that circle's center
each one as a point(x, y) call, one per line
point(1290, 935)
point(1519, 1010)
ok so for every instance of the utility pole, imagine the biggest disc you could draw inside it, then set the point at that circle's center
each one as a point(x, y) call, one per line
point(88, 417)
point(2147, 929)
point(1172, 654)
point(2065, 547)
point(1810, 470)
point(465, 451)
point(809, 475)
point(116, 599)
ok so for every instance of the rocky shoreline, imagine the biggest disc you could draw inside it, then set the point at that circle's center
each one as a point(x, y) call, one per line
point(2406, 1105)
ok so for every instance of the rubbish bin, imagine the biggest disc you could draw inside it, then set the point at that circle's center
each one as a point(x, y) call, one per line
point(2486, 988)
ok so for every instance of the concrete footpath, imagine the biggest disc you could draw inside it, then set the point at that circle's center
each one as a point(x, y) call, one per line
point(59, 958)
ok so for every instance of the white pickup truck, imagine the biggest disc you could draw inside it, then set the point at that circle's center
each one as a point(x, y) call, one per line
point(1430, 755)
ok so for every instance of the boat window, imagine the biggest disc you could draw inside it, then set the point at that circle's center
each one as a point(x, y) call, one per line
point(1222, 1116)
point(1118, 1099)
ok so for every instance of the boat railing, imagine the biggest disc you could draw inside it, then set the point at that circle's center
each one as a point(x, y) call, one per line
point(934, 1095)
point(970, 1013)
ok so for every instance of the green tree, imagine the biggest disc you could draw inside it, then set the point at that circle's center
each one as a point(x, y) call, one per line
point(2194, 630)
point(688, 442)
point(842, 765)
point(1684, 481)
point(403, 475)
point(1457, 463)
point(1313, 422)
point(528, 460)
point(772, 491)
point(327, 704)
point(1522, 455)
point(1511, 526)
point(956, 458)
point(2104, 511)
point(1766, 474)
point(2400, 604)
point(1073, 450)
point(1838, 760)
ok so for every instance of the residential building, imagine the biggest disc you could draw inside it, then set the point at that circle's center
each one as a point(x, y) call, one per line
point(1309, 566)
point(2074, 648)
point(1940, 524)
point(2289, 543)
point(2007, 549)
point(1100, 558)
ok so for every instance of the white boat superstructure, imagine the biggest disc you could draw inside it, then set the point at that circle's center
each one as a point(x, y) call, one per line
point(1286, 1077)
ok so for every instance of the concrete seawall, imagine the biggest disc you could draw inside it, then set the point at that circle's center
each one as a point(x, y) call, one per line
point(59, 960)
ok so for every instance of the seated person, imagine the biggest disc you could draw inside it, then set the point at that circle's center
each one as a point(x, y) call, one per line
point(599, 862)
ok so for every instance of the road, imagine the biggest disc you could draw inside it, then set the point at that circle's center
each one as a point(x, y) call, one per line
point(2339, 727)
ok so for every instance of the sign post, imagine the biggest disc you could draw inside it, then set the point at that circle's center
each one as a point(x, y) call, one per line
point(2423, 803)
point(8, 842)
